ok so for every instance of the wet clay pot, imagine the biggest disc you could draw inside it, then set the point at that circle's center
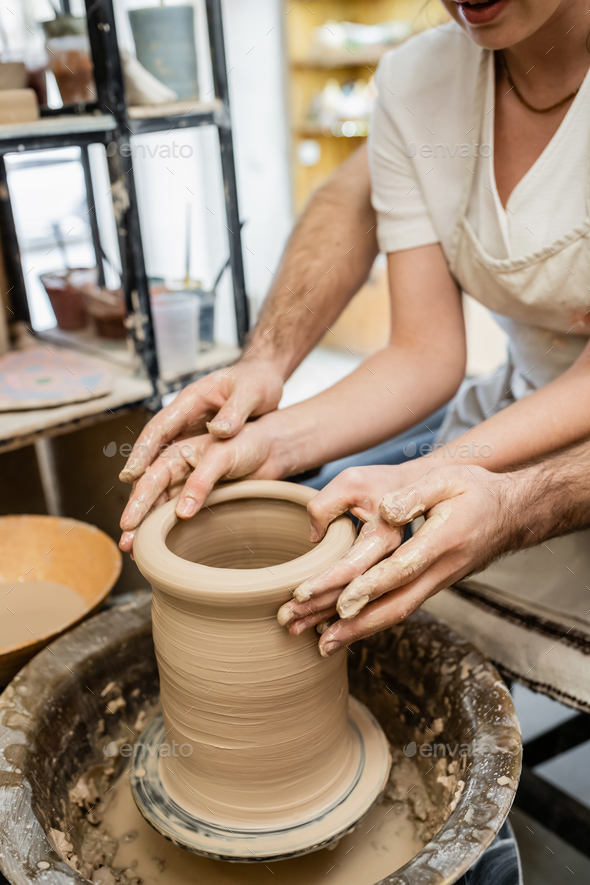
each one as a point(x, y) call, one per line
point(265, 716)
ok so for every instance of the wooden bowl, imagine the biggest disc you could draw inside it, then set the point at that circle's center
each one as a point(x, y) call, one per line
point(64, 551)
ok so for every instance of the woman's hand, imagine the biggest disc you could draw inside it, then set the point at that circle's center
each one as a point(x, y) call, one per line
point(220, 402)
point(469, 522)
point(195, 465)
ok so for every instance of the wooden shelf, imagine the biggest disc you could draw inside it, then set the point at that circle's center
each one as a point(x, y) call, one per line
point(130, 389)
point(343, 58)
point(66, 130)
point(121, 355)
point(311, 64)
point(86, 341)
point(177, 115)
point(50, 127)
point(321, 132)
point(210, 358)
point(22, 428)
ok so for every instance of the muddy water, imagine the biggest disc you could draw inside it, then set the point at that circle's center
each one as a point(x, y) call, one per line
point(382, 843)
point(30, 610)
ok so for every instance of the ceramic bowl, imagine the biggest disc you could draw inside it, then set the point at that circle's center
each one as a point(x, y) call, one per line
point(64, 551)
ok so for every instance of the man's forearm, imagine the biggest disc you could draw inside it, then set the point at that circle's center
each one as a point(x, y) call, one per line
point(551, 498)
point(327, 259)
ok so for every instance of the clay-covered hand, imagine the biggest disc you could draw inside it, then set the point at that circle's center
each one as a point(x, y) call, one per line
point(193, 466)
point(220, 403)
point(358, 490)
point(470, 520)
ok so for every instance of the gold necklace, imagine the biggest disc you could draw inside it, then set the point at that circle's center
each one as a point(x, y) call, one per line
point(523, 100)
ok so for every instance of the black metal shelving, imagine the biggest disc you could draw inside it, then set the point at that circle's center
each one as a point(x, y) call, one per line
point(106, 120)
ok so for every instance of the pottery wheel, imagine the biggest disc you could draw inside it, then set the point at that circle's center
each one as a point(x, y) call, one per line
point(214, 840)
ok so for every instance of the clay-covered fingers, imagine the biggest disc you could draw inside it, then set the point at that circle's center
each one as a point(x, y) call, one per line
point(220, 402)
point(377, 616)
point(406, 564)
point(439, 484)
point(234, 458)
point(169, 470)
point(350, 490)
point(256, 389)
point(466, 527)
point(292, 613)
point(376, 540)
point(432, 559)
point(128, 537)
point(149, 488)
point(182, 417)
point(214, 465)
point(312, 620)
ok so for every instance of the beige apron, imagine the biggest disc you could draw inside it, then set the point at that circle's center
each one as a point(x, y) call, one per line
point(530, 601)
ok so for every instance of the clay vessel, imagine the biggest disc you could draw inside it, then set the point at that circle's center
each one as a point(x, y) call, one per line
point(264, 715)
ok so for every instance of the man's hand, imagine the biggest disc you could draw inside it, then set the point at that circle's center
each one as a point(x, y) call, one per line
point(220, 403)
point(358, 490)
point(470, 520)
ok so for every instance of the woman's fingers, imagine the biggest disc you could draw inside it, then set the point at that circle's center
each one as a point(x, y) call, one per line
point(224, 459)
point(211, 468)
point(126, 541)
point(312, 620)
point(183, 416)
point(127, 538)
point(376, 540)
point(350, 490)
point(434, 558)
point(148, 489)
point(410, 560)
point(293, 611)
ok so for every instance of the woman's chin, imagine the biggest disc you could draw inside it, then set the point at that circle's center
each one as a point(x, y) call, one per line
point(498, 24)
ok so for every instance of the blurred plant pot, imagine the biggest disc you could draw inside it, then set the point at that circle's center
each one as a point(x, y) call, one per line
point(165, 45)
point(66, 294)
point(106, 308)
point(71, 65)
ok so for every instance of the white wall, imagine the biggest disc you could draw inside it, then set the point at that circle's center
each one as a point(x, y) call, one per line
point(254, 41)
point(253, 36)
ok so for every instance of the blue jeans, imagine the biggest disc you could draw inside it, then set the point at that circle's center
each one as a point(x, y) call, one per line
point(498, 865)
point(398, 450)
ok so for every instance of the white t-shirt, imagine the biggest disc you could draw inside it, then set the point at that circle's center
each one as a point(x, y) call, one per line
point(421, 144)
